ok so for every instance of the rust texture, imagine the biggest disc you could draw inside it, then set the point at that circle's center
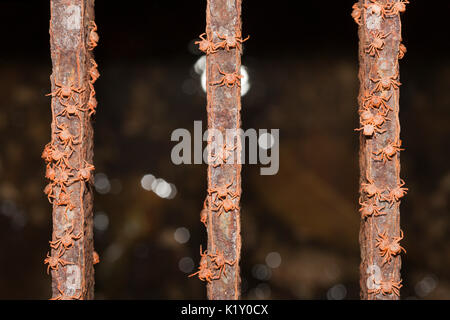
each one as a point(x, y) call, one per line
point(381, 188)
point(69, 154)
point(222, 43)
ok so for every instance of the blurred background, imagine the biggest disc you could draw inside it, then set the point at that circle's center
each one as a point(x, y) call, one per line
point(299, 227)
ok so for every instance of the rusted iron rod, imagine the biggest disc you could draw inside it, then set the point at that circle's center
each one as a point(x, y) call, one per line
point(381, 188)
point(69, 154)
point(222, 44)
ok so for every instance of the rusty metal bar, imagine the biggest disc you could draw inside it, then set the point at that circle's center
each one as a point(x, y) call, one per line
point(222, 43)
point(381, 187)
point(69, 155)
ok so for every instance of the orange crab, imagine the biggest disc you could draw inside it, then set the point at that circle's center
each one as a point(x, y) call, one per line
point(206, 45)
point(65, 92)
point(389, 248)
point(226, 205)
point(378, 102)
point(230, 42)
point(204, 213)
point(228, 79)
point(395, 8)
point(221, 192)
point(93, 36)
point(369, 209)
point(369, 129)
point(66, 241)
point(55, 261)
point(205, 273)
point(84, 173)
point(356, 13)
point(219, 259)
point(388, 152)
point(62, 296)
point(386, 83)
point(377, 44)
point(387, 288)
point(371, 189)
point(396, 194)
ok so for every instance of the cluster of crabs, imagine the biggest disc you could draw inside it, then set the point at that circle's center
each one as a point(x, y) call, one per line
point(227, 42)
point(374, 111)
point(58, 153)
point(219, 200)
point(389, 9)
point(212, 266)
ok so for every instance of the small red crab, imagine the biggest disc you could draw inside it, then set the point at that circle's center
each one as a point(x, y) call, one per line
point(376, 120)
point(221, 192)
point(387, 288)
point(379, 119)
point(49, 191)
point(396, 194)
point(376, 8)
point(204, 213)
point(369, 129)
point(389, 248)
point(93, 36)
point(65, 92)
point(206, 45)
point(66, 137)
point(62, 296)
point(85, 173)
point(401, 51)
point(369, 209)
point(396, 8)
point(388, 152)
point(378, 101)
point(231, 42)
point(92, 105)
point(370, 123)
point(205, 273)
point(50, 172)
point(63, 199)
point(220, 157)
point(93, 71)
point(371, 189)
point(55, 261)
point(226, 205)
point(95, 257)
point(386, 83)
point(356, 13)
point(365, 116)
point(377, 44)
point(219, 259)
point(204, 217)
point(47, 152)
point(365, 97)
point(70, 109)
point(59, 156)
point(228, 79)
point(66, 241)
point(62, 177)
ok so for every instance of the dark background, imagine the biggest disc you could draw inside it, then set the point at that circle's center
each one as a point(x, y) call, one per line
point(302, 63)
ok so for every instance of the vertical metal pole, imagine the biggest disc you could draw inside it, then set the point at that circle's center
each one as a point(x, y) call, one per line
point(381, 187)
point(222, 44)
point(69, 155)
